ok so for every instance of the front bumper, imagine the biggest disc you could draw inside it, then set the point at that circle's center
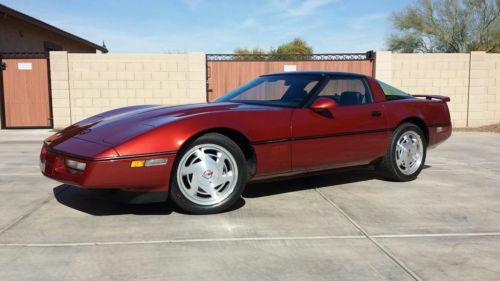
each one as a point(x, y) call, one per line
point(109, 173)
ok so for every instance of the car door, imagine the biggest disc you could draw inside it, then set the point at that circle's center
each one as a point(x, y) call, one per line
point(352, 133)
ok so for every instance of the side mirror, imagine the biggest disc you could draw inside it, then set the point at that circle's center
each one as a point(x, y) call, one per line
point(322, 104)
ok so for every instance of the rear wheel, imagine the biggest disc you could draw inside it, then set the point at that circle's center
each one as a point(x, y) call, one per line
point(406, 154)
point(209, 175)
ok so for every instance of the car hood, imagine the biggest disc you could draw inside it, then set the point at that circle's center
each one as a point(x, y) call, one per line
point(114, 127)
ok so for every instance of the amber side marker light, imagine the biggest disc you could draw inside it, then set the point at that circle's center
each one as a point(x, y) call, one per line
point(148, 163)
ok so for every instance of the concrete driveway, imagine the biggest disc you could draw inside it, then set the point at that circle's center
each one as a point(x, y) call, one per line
point(344, 226)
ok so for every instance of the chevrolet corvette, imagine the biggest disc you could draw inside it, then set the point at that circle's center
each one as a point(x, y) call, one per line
point(201, 156)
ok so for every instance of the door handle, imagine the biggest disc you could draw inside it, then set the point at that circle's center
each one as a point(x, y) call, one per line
point(376, 113)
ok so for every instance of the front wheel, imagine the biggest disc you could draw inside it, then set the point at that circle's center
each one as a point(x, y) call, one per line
point(406, 154)
point(209, 175)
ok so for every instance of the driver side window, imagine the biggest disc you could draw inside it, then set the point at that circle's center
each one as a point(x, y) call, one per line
point(347, 91)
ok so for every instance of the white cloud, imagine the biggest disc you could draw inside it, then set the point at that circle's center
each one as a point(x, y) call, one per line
point(264, 26)
point(294, 8)
point(364, 22)
point(248, 23)
point(308, 7)
point(193, 4)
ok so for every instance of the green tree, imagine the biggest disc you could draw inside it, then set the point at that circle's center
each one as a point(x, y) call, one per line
point(295, 49)
point(246, 54)
point(449, 26)
point(296, 46)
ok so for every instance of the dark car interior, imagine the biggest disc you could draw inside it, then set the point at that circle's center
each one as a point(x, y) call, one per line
point(348, 98)
point(347, 92)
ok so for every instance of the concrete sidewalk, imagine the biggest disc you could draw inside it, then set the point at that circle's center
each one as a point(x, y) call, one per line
point(25, 135)
point(341, 226)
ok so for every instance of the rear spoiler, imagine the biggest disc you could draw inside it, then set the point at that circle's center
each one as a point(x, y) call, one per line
point(437, 97)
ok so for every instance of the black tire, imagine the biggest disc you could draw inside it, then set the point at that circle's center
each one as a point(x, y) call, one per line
point(183, 202)
point(388, 167)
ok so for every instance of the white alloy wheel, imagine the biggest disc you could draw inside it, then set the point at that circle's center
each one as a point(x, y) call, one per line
point(207, 174)
point(409, 152)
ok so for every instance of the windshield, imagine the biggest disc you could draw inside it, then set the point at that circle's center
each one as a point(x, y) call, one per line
point(274, 90)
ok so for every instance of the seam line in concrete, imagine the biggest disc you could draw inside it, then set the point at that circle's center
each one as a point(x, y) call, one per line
point(19, 174)
point(467, 234)
point(172, 241)
point(28, 213)
point(465, 163)
point(365, 233)
point(178, 241)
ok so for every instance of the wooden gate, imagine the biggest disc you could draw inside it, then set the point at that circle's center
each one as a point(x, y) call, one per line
point(25, 91)
point(228, 71)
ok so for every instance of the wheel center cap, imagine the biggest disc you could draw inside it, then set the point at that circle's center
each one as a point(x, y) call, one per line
point(208, 174)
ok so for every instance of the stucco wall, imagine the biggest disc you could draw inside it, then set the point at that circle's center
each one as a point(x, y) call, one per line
point(93, 83)
point(472, 81)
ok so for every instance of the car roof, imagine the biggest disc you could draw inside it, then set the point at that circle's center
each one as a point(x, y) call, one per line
point(318, 72)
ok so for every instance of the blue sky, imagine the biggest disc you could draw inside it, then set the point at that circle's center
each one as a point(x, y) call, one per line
point(215, 26)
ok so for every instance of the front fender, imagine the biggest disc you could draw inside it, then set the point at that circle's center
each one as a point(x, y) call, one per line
point(171, 136)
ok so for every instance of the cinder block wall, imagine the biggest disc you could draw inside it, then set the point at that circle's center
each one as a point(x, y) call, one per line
point(472, 81)
point(87, 84)
point(484, 99)
point(59, 76)
point(440, 74)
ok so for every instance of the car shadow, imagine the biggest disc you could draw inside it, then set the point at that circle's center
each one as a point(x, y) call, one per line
point(269, 188)
point(304, 182)
point(92, 203)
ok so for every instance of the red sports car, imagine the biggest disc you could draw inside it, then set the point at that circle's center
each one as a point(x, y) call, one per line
point(203, 155)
